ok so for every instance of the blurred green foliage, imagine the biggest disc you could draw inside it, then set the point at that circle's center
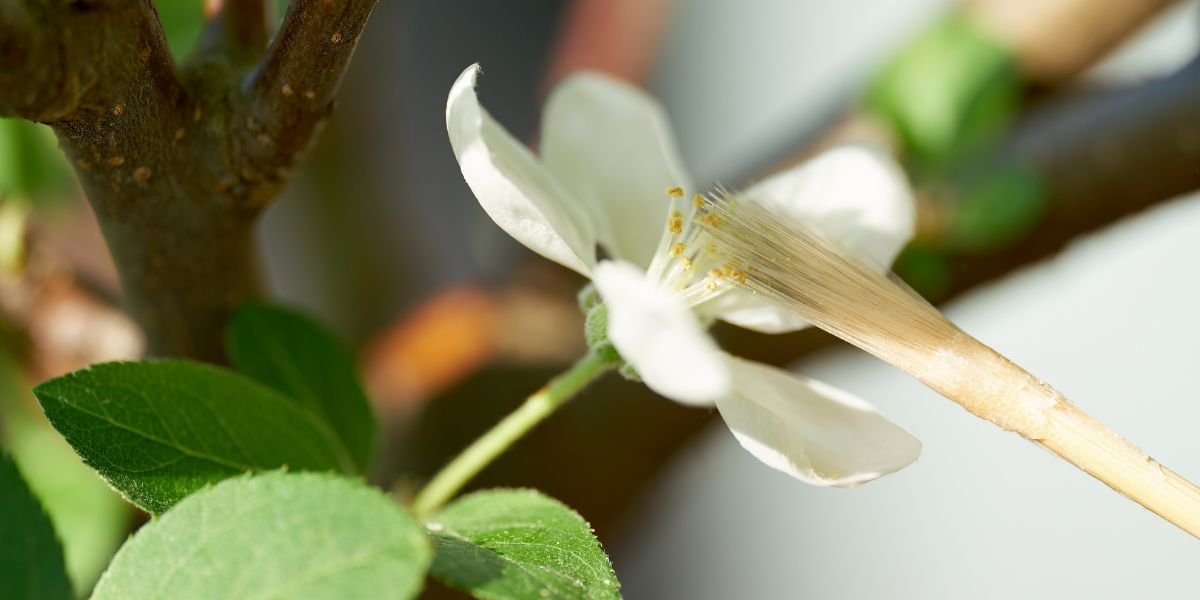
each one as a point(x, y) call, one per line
point(948, 92)
point(182, 22)
point(995, 209)
point(927, 270)
point(32, 168)
point(90, 519)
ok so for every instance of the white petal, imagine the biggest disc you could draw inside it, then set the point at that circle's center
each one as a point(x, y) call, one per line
point(812, 431)
point(612, 145)
point(660, 337)
point(744, 309)
point(516, 190)
point(855, 194)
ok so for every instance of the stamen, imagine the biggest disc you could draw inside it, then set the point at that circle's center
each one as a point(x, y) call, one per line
point(697, 201)
point(675, 192)
point(675, 223)
point(676, 249)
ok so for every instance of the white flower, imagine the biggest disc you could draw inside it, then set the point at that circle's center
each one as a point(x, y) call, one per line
point(607, 156)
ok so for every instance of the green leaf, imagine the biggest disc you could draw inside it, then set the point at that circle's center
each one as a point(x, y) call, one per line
point(160, 430)
point(518, 544)
point(295, 355)
point(31, 560)
point(275, 535)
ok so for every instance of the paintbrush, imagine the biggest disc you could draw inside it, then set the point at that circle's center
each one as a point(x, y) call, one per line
point(799, 270)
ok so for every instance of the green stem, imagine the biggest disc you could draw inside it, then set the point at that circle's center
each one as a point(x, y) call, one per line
point(447, 482)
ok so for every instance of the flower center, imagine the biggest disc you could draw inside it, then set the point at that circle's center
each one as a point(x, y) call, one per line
point(688, 262)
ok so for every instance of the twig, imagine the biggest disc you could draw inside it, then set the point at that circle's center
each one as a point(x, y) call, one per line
point(177, 166)
point(292, 91)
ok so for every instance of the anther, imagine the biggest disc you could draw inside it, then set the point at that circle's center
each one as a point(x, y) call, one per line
point(697, 201)
point(675, 192)
point(676, 249)
point(675, 223)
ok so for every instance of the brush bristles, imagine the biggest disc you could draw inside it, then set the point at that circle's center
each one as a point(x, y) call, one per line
point(803, 272)
point(808, 274)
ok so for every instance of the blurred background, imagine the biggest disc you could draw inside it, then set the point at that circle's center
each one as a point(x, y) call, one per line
point(1055, 146)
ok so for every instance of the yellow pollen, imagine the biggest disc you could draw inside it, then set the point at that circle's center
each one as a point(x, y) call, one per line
point(697, 200)
point(711, 285)
point(675, 223)
point(711, 219)
point(716, 274)
point(686, 263)
point(676, 249)
point(675, 192)
point(738, 276)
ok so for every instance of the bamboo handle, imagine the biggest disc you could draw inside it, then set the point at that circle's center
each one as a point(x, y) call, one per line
point(994, 388)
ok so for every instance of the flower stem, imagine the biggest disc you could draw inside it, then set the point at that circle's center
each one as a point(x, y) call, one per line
point(447, 482)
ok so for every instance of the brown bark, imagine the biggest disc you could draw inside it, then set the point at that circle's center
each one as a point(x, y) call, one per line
point(178, 164)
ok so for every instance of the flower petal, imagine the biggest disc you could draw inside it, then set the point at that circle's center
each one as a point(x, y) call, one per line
point(612, 145)
point(744, 309)
point(660, 337)
point(517, 192)
point(856, 195)
point(812, 431)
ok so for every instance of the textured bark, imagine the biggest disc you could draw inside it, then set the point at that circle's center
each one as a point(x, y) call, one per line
point(178, 164)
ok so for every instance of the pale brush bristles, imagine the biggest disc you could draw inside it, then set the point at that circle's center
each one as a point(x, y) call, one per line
point(805, 273)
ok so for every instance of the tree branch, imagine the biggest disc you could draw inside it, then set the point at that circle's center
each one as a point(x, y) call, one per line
point(81, 58)
point(292, 91)
point(177, 166)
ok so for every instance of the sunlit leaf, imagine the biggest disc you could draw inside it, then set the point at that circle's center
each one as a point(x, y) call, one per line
point(518, 544)
point(274, 535)
point(160, 430)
